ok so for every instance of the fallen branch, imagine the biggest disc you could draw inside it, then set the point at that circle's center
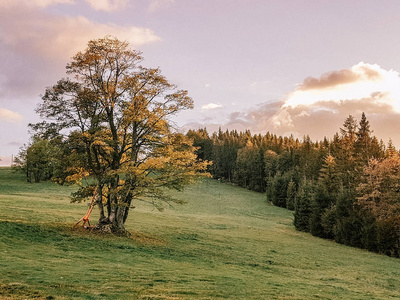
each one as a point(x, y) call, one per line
point(85, 218)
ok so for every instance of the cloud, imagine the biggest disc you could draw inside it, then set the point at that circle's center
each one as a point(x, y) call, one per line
point(35, 46)
point(319, 106)
point(360, 81)
point(9, 116)
point(108, 5)
point(362, 88)
point(156, 5)
point(211, 106)
point(33, 3)
point(260, 119)
point(62, 36)
point(358, 72)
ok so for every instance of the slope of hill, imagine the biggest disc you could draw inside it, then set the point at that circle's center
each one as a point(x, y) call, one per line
point(225, 243)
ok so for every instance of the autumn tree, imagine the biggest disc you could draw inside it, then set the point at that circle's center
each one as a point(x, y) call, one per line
point(378, 198)
point(115, 116)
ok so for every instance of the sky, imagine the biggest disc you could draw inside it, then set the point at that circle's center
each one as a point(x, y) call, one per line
point(285, 66)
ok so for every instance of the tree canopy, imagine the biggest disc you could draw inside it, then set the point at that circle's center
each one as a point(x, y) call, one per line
point(114, 119)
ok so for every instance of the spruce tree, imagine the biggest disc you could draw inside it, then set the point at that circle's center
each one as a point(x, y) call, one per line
point(303, 208)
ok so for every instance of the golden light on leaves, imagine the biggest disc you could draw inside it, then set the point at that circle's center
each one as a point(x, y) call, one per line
point(119, 112)
point(379, 192)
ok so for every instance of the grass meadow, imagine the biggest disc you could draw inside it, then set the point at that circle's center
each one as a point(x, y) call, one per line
point(225, 243)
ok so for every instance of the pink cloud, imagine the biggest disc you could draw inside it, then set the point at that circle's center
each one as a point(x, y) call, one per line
point(9, 116)
point(108, 5)
point(156, 5)
point(35, 45)
point(31, 30)
point(33, 3)
point(346, 76)
point(334, 95)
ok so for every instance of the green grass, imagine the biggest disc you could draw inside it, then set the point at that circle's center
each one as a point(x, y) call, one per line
point(225, 243)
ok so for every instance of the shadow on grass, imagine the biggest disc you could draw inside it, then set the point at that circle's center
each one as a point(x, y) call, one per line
point(53, 242)
point(18, 291)
point(59, 235)
point(36, 236)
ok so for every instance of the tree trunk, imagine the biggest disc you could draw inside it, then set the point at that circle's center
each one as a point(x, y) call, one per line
point(128, 205)
point(114, 223)
point(99, 202)
point(119, 220)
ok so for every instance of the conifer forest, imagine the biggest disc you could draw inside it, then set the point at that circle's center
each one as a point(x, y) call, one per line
point(344, 188)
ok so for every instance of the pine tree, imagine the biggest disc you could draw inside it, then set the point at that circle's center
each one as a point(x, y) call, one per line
point(203, 142)
point(391, 149)
point(327, 190)
point(303, 208)
point(291, 195)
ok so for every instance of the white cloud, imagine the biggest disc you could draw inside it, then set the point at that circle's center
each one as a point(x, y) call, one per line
point(33, 3)
point(211, 106)
point(359, 82)
point(303, 113)
point(156, 5)
point(282, 119)
point(9, 116)
point(319, 106)
point(108, 5)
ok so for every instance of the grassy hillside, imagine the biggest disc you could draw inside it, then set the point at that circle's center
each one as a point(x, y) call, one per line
point(225, 243)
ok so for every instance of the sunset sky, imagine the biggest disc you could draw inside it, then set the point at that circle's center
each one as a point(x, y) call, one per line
point(284, 66)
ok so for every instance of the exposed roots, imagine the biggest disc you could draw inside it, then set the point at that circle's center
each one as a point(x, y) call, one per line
point(110, 229)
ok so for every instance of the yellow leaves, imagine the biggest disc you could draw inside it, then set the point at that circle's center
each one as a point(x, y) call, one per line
point(101, 140)
point(330, 160)
point(176, 159)
point(379, 193)
point(104, 194)
point(249, 144)
point(271, 153)
point(77, 174)
point(98, 143)
point(122, 129)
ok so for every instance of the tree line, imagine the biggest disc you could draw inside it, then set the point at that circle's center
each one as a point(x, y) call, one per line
point(346, 188)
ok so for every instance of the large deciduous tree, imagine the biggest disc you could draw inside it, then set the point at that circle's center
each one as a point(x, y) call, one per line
point(114, 115)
